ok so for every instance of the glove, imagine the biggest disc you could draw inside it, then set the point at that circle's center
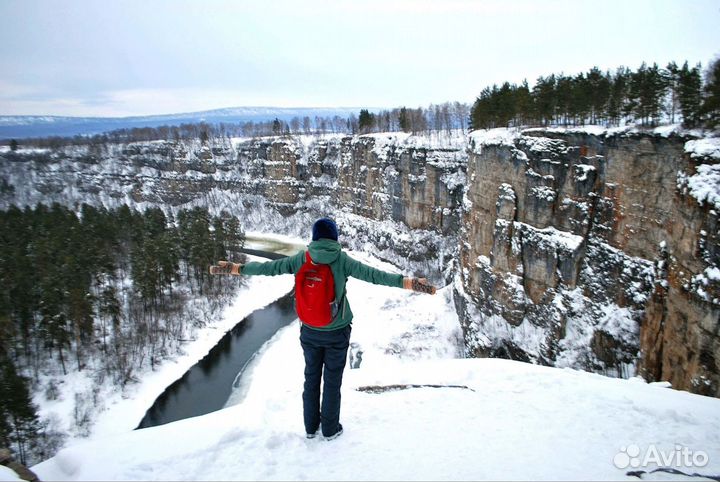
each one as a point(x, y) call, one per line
point(226, 267)
point(418, 284)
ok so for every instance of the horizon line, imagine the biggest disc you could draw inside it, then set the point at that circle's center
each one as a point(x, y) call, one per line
point(124, 117)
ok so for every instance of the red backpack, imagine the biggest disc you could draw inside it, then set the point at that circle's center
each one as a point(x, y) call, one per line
point(315, 293)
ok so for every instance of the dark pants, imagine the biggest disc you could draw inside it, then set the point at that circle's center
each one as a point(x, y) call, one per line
point(325, 354)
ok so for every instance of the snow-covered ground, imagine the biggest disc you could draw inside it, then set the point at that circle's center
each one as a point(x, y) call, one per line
point(513, 421)
point(482, 419)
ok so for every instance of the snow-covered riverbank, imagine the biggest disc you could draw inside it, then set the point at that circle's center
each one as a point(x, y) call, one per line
point(116, 411)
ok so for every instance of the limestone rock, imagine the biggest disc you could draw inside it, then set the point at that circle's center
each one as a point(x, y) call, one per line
point(581, 226)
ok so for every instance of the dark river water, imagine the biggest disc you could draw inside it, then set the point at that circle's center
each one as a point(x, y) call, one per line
point(207, 386)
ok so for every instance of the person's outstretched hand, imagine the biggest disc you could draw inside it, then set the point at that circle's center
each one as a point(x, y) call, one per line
point(226, 267)
point(418, 284)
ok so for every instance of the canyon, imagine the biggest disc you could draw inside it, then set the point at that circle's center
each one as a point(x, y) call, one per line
point(589, 249)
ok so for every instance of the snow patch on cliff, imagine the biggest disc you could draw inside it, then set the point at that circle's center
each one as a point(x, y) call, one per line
point(541, 145)
point(550, 237)
point(583, 320)
point(582, 171)
point(492, 137)
point(455, 140)
point(708, 147)
point(704, 185)
point(622, 130)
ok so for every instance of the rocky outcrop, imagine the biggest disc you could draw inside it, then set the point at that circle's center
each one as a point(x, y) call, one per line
point(23, 473)
point(584, 250)
point(594, 251)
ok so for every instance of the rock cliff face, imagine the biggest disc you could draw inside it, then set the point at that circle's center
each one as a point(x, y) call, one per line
point(401, 198)
point(587, 250)
point(570, 249)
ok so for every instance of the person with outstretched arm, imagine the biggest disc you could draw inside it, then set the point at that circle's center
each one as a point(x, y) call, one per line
point(321, 273)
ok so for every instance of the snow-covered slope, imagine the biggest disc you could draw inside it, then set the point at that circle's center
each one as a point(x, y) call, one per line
point(513, 421)
point(480, 419)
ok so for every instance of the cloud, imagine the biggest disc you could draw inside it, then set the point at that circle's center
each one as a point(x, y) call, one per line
point(11, 90)
point(135, 102)
point(181, 55)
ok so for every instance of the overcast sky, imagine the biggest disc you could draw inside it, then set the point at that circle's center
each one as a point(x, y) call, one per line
point(137, 57)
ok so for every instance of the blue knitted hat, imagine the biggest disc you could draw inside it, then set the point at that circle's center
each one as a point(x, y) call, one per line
point(325, 228)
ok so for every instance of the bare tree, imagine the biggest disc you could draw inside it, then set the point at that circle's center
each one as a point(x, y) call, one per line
point(295, 125)
point(339, 124)
point(461, 112)
point(445, 112)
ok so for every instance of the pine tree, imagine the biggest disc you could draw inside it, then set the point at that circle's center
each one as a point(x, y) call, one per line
point(564, 94)
point(145, 271)
point(689, 94)
point(480, 113)
point(197, 244)
point(277, 127)
point(648, 88)
point(16, 283)
point(711, 103)
point(545, 98)
point(505, 105)
point(20, 423)
point(97, 225)
point(168, 257)
point(219, 238)
point(620, 104)
point(366, 121)
point(404, 120)
point(638, 93)
point(581, 103)
point(673, 82)
point(658, 92)
point(234, 235)
point(523, 105)
point(109, 307)
point(599, 94)
point(53, 323)
point(5, 428)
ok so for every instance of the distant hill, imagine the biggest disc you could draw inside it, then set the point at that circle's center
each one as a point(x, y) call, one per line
point(43, 126)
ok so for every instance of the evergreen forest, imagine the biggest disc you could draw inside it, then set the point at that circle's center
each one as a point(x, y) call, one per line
point(101, 290)
point(648, 96)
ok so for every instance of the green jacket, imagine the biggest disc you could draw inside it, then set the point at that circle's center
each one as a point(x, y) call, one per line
point(327, 251)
